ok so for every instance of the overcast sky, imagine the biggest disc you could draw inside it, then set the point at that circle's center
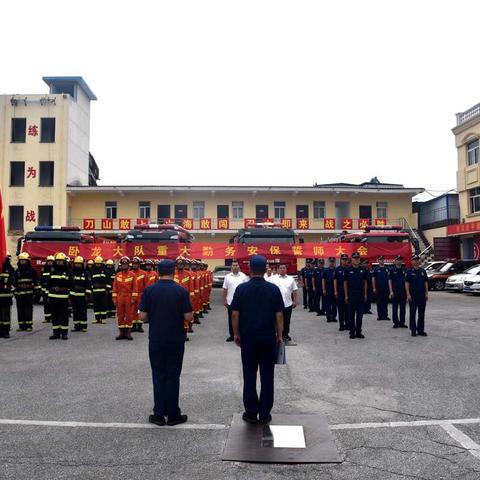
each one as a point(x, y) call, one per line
point(258, 92)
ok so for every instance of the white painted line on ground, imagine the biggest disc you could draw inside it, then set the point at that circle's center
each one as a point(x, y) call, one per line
point(464, 440)
point(46, 423)
point(216, 426)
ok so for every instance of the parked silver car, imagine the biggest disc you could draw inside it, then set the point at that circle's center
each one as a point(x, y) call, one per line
point(218, 275)
point(456, 282)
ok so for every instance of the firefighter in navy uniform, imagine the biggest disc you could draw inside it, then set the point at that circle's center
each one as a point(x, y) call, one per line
point(368, 300)
point(356, 295)
point(59, 287)
point(6, 295)
point(45, 275)
point(338, 285)
point(304, 283)
point(329, 291)
point(99, 279)
point(81, 289)
point(110, 271)
point(380, 276)
point(398, 294)
point(416, 286)
point(24, 283)
point(317, 289)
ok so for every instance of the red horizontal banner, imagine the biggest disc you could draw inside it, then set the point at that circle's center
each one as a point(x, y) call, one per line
point(206, 250)
point(460, 228)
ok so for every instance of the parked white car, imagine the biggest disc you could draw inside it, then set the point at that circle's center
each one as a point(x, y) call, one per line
point(456, 282)
point(472, 286)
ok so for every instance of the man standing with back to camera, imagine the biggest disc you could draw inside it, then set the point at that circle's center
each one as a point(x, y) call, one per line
point(257, 318)
point(166, 307)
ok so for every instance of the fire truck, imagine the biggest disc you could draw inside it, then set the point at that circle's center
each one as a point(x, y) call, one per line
point(266, 234)
point(387, 240)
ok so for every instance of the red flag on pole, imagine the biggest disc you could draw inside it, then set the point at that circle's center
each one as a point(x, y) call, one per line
point(3, 238)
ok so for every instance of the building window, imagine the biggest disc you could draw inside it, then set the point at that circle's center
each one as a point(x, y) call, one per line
point(19, 130)
point(237, 210)
point(46, 174)
point(382, 209)
point(319, 209)
point(111, 209)
point(47, 130)
point(472, 152)
point(144, 209)
point(163, 211)
point(15, 218)
point(279, 210)
point(17, 174)
point(222, 211)
point(181, 211)
point(45, 215)
point(198, 209)
point(475, 200)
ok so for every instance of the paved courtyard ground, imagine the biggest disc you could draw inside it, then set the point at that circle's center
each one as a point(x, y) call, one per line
point(399, 407)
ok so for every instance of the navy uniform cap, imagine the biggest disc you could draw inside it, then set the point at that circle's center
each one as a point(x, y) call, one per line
point(398, 257)
point(344, 256)
point(258, 262)
point(355, 255)
point(381, 257)
point(331, 259)
point(166, 267)
point(321, 260)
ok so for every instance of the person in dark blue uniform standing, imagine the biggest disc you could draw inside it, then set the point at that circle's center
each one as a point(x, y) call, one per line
point(309, 273)
point(303, 273)
point(166, 307)
point(398, 295)
point(319, 303)
point(355, 295)
point(380, 288)
point(257, 318)
point(339, 289)
point(368, 301)
point(416, 286)
point(329, 291)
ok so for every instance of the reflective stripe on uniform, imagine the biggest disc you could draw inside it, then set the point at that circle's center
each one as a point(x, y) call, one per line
point(58, 295)
point(77, 294)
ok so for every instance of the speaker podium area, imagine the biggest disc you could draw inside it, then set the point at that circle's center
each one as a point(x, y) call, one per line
point(287, 439)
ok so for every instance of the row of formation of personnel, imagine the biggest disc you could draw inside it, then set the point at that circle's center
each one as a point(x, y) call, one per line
point(70, 287)
point(347, 290)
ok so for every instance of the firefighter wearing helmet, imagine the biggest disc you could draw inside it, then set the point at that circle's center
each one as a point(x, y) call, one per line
point(44, 276)
point(59, 285)
point(24, 283)
point(110, 269)
point(78, 296)
point(150, 273)
point(140, 285)
point(6, 284)
point(124, 298)
point(99, 280)
point(184, 278)
point(90, 265)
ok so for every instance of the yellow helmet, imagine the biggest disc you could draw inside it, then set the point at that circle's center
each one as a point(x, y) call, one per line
point(60, 256)
point(98, 260)
point(109, 262)
point(8, 254)
point(78, 259)
point(90, 262)
point(50, 258)
point(24, 256)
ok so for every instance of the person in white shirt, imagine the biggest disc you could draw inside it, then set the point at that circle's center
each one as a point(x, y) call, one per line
point(230, 284)
point(288, 288)
point(270, 274)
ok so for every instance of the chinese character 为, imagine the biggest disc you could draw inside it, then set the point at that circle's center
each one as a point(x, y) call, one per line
point(31, 172)
point(117, 251)
point(187, 223)
point(339, 251)
point(275, 250)
point(362, 251)
point(207, 251)
point(317, 250)
point(297, 249)
point(138, 251)
point(124, 224)
point(230, 251)
point(205, 224)
point(184, 250)
point(33, 130)
point(329, 224)
point(73, 251)
point(30, 216)
point(303, 223)
point(162, 250)
point(223, 224)
point(96, 251)
point(252, 250)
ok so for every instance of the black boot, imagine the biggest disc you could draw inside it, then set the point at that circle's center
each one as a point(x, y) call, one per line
point(54, 336)
point(64, 335)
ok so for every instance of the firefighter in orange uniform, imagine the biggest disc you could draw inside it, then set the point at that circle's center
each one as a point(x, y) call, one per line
point(140, 285)
point(183, 278)
point(150, 273)
point(197, 298)
point(124, 298)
